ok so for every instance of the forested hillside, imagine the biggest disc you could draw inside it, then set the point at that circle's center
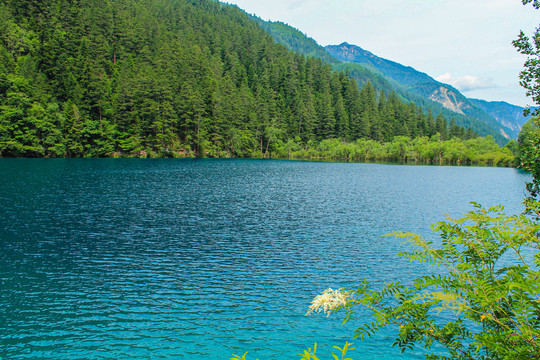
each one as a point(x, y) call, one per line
point(295, 40)
point(388, 76)
point(174, 77)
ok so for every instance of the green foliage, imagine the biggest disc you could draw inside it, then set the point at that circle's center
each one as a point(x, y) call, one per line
point(312, 354)
point(238, 357)
point(294, 40)
point(528, 156)
point(531, 73)
point(529, 137)
point(402, 149)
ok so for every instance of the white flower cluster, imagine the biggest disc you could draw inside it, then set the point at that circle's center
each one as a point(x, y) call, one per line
point(328, 301)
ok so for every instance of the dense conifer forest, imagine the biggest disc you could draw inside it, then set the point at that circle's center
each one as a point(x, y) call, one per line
point(96, 78)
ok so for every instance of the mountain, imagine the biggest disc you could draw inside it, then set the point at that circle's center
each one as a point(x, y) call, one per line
point(295, 40)
point(387, 76)
point(401, 74)
point(508, 115)
point(503, 117)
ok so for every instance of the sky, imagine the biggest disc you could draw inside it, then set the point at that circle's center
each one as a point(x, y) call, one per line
point(464, 43)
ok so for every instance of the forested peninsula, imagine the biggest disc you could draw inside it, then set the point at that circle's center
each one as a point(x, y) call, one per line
point(179, 78)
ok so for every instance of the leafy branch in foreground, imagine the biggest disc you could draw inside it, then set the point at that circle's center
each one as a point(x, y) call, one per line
point(529, 137)
point(529, 159)
point(312, 354)
point(490, 288)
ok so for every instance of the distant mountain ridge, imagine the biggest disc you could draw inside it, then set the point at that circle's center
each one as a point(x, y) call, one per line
point(398, 72)
point(509, 115)
point(499, 119)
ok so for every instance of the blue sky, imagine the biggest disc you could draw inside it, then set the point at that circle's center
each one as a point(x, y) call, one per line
point(466, 43)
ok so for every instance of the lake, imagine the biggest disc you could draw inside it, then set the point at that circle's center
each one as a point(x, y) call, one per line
point(200, 259)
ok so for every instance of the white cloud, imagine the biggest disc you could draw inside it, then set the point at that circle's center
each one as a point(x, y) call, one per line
point(466, 83)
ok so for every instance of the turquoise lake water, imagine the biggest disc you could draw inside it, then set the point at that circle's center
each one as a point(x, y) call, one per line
point(200, 259)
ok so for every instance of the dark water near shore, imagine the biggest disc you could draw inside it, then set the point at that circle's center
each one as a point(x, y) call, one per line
point(200, 259)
